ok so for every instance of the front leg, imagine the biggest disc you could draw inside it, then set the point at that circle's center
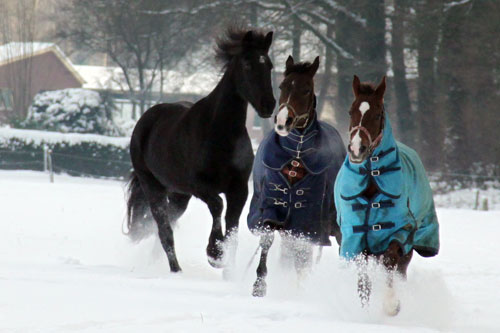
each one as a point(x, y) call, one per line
point(391, 260)
point(215, 246)
point(364, 282)
point(236, 199)
point(260, 286)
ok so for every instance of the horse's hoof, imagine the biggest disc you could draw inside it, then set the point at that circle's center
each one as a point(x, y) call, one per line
point(175, 269)
point(392, 305)
point(215, 255)
point(215, 263)
point(259, 288)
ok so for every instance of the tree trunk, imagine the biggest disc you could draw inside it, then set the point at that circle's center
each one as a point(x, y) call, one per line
point(453, 92)
point(346, 37)
point(296, 36)
point(403, 105)
point(429, 124)
point(327, 76)
point(372, 45)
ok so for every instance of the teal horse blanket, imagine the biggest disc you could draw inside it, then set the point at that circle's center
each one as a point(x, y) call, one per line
point(402, 210)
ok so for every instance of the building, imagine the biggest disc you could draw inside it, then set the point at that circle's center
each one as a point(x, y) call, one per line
point(29, 68)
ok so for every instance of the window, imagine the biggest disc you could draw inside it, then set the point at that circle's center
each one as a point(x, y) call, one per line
point(6, 99)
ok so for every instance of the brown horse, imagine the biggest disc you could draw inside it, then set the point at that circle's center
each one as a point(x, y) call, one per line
point(294, 173)
point(383, 196)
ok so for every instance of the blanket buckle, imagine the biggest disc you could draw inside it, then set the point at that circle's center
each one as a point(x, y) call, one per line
point(375, 173)
point(376, 227)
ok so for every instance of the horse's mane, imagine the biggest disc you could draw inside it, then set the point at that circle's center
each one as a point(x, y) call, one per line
point(230, 44)
point(299, 67)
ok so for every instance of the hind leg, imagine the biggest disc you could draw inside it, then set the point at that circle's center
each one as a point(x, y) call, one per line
point(156, 194)
point(216, 238)
point(177, 204)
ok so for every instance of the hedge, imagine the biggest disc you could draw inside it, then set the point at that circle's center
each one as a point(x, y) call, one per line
point(75, 154)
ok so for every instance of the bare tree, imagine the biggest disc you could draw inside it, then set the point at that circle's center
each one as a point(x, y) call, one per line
point(17, 24)
point(133, 35)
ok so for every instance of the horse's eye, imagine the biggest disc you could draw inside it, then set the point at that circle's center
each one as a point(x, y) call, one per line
point(350, 112)
point(306, 92)
point(247, 66)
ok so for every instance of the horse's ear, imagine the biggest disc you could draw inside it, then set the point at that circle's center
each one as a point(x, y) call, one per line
point(355, 86)
point(268, 40)
point(289, 62)
point(314, 66)
point(248, 38)
point(380, 91)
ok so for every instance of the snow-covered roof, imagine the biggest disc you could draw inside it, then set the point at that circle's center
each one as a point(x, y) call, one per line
point(15, 51)
point(112, 78)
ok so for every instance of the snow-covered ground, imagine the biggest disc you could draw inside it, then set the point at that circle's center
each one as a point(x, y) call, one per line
point(65, 266)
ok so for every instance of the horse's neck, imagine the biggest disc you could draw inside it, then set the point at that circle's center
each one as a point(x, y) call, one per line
point(228, 108)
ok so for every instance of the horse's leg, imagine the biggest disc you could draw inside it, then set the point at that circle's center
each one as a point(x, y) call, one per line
point(391, 260)
point(156, 195)
point(215, 240)
point(302, 258)
point(235, 198)
point(260, 286)
point(364, 283)
point(177, 204)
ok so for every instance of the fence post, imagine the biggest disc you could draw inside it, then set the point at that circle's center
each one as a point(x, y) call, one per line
point(51, 170)
point(47, 162)
point(45, 158)
point(476, 205)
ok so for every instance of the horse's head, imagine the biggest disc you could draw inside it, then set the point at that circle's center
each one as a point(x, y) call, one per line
point(297, 100)
point(246, 53)
point(367, 119)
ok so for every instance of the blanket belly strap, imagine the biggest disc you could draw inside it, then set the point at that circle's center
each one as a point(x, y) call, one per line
point(381, 204)
point(375, 227)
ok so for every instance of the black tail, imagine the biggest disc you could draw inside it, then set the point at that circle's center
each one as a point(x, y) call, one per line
point(139, 220)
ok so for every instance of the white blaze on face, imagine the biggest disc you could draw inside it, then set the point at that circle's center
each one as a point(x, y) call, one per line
point(356, 140)
point(281, 118)
point(262, 59)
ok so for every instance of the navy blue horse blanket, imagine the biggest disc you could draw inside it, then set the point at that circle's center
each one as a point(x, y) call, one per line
point(402, 210)
point(307, 208)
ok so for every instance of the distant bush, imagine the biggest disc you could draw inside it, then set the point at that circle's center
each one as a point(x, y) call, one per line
point(72, 111)
point(74, 154)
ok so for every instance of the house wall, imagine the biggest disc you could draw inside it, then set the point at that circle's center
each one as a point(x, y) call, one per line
point(47, 73)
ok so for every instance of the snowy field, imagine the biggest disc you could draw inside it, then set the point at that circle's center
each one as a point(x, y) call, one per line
point(65, 267)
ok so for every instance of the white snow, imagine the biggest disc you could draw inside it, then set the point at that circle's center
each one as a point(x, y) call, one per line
point(41, 137)
point(15, 50)
point(65, 267)
point(113, 78)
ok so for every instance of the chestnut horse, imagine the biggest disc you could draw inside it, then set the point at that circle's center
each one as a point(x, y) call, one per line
point(181, 149)
point(293, 175)
point(383, 197)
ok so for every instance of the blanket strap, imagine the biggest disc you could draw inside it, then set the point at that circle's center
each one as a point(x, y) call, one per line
point(375, 227)
point(381, 204)
point(378, 172)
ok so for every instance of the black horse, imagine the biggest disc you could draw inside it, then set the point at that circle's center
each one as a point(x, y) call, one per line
point(182, 149)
